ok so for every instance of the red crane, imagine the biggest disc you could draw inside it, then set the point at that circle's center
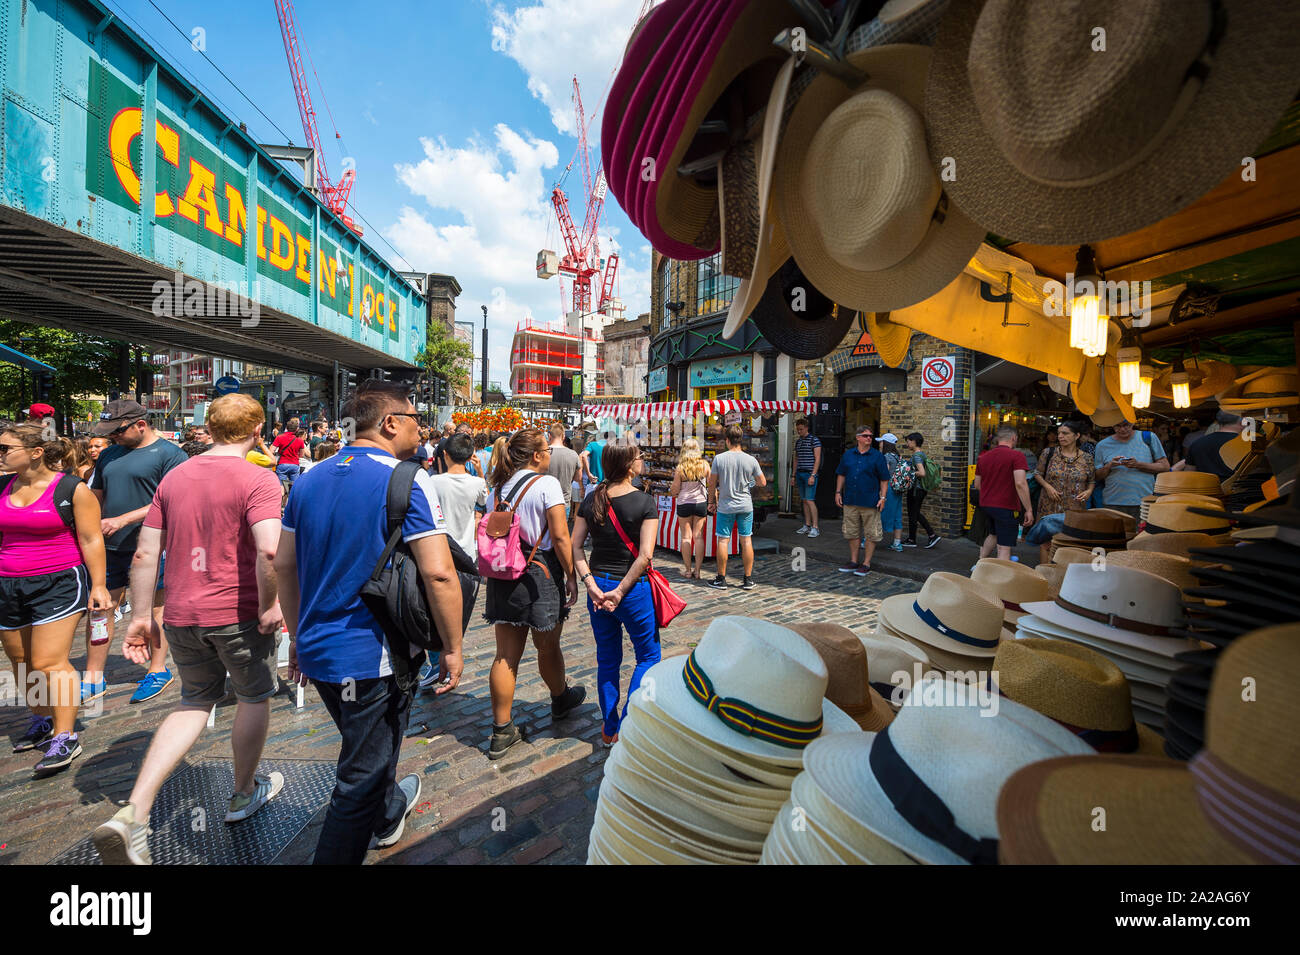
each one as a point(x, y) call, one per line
point(335, 195)
point(582, 249)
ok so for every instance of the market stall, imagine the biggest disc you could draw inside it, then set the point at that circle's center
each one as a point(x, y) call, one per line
point(661, 427)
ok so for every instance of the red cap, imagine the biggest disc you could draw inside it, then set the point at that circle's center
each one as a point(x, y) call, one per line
point(41, 411)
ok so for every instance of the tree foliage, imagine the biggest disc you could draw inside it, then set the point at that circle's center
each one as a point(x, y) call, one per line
point(83, 365)
point(446, 356)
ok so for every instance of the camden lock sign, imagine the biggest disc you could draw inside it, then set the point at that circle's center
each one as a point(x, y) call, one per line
point(203, 197)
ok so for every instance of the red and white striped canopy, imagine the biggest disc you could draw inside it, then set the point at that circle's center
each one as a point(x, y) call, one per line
point(688, 409)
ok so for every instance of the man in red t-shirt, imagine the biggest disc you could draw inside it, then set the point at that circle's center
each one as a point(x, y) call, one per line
point(218, 516)
point(289, 445)
point(1003, 492)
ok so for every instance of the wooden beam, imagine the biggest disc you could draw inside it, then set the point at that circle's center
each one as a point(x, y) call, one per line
point(1268, 311)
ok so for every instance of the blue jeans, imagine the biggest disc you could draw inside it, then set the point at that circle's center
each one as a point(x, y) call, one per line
point(636, 612)
point(366, 801)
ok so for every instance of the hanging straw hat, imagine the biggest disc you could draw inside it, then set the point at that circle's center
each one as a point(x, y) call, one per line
point(1011, 582)
point(1113, 406)
point(951, 614)
point(1077, 687)
point(1166, 516)
point(1206, 379)
point(928, 783)
point(848, 685)
point(1056, 145)
point(888, 656)
point(1229, 807)
point(1273, 388)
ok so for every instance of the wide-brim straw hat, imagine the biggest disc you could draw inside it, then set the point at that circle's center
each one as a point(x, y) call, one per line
point(958, 752)
point(951, 614)
point(940, 661)
point(1056, 145)
point(1077, 687)
point(849, 683)
point(1054, 574)
point(887, 656)
point(1164, 516)
point(1173, 568)
point(1012, 582)
point(891, 339)
point(751, 672)
point(1113, 406)
point(896, 242)
point(1177, 543)
point(1187, 482)
point(1234, 804)
point(1207, 379)
point(1268, 388)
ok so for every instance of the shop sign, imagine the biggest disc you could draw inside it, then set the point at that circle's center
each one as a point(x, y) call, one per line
point(731, 417)
point(865, 346)
point(937, 376)
point(722, 371)
point(658, 379)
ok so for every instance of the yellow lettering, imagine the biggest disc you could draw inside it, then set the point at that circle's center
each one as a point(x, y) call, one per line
point(392, 314)
point(169, 141)
point(261, 233)
point(280, 232)
point(126, 125)
point(328, 265)
point(352, 291)
point(238, 217)
point(201, 193)
point(379, 309)
point(303, 272)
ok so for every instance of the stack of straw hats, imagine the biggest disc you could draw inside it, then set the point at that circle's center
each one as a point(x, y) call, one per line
point(1188, 487)
point(923, 790)
point(957, 622)
point(1011, 582)
point(1264, 390)
point(1089, 529)
point(1166, 516)
point(1233, 805)
point(710, 747)
point(848, 683)
point(1124, 613)
point(1177, 543)
point(893, 664)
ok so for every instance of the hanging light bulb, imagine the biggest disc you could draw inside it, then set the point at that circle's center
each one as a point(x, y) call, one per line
point(1130, 364)
point(1085, 307)
point(1181, 383)
point(1142, 396)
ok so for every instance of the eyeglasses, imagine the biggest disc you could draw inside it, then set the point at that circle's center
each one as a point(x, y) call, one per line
point(414, 415)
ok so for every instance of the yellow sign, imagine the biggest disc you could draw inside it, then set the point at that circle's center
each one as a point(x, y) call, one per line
point(803, 387)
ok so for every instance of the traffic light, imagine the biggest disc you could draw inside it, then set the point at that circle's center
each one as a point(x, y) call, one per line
point(562, 394)
point(45, 387)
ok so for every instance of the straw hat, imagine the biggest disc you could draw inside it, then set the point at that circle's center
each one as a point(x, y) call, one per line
point(1165, 516)
point(1054, 574)
point(751, 686)
point(940, 661)
point(1178, 543)
point(1187, 482)
point(891, 340)
point(1228, 807)
point(1271, 388)
point(951, 613)
point(1113, 406)
point(1178, 497)
point(1012, 582)
point(1091, 529)
point(887, 656)
point(928, 784)
point(848, 685)
point(1177, 570)
point(879, 248)
point(1129, 522)
point(1207, 379)
point(1077, 687)
point(1071, 555)
point(1056, 145)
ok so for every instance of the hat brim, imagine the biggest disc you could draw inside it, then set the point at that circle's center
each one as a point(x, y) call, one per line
point(897, 612)
point(1163, 648)
point(947, 245)
point(671, 695)
point(805, 335)
point(1151, 668)
point(102, 429)
point(892, 341)
point(1153, 816)
point(1237, 106)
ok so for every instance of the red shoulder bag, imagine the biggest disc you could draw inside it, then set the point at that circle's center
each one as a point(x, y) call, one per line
point(667, 604)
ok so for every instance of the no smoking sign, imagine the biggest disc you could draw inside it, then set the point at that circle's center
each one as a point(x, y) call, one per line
point(937, 375)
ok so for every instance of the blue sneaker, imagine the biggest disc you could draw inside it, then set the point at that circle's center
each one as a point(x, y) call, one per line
point(93, 691)
point(39, 732)
point(151, 686)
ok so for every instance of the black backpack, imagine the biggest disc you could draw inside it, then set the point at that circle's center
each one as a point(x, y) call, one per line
point(395, 591)
point(64, 487)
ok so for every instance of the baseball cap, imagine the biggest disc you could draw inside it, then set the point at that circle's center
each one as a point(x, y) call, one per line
point(39, 410)
point(889, 438)
point(117, 413)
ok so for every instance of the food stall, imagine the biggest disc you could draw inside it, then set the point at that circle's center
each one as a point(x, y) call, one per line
point(661, 427)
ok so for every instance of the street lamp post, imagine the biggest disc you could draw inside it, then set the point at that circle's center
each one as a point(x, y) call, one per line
point(483, 395)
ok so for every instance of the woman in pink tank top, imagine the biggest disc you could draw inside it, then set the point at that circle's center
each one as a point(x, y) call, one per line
point(48, 576)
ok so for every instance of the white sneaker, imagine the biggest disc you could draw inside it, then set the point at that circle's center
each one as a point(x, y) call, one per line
point(409, 786)
point(802, 530)
point(265, 788)
point(814, 532)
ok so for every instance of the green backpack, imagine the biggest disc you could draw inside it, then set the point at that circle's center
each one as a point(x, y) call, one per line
point(933, 473)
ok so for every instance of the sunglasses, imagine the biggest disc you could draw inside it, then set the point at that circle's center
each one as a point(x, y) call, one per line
point(414, 415)
point(6, 448)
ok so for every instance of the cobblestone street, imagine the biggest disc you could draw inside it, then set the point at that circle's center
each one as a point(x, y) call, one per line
point(547, 787)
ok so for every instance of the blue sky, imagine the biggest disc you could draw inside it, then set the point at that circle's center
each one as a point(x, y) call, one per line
point(457, 114)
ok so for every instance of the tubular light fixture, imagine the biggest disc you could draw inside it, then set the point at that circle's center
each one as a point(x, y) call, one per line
point(1087, 320)
point(1142, 396)
point(1180, 381)
point(1130, 363)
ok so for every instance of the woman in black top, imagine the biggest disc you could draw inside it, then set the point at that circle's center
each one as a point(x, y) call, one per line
point(618, 593)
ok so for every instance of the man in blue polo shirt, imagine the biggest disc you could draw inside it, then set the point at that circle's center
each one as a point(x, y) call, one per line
point(332, 537)
point(861, 481)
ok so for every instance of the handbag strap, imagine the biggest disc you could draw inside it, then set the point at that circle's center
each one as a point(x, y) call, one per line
point(398, 502)
point(514, 503)
point(613, 518)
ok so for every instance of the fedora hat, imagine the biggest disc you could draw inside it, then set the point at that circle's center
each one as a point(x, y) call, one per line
point(1065, 554)
point(1179, 543)
point(1089, 528)
point(928, 783)
point(1231, 805)
point(864, 213)
point(1273, 388)
point(1176, 497)
point(1077, 687)
point(1165, 516)
point(1148, 672)
point(951, 613)
point(848, 685)
point(1011, 582)
point(940, 661)
point(1187, 482)
point(1173, 568)
point(750, 686)
point(1056, 145)
point(887, 656)
point(1053, 574)
point(1130, 523)
point(796, 318)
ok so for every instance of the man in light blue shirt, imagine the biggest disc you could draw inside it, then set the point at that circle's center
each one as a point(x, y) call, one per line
point(1128, 462)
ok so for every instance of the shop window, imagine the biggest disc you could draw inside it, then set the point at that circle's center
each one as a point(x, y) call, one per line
point(714, 290)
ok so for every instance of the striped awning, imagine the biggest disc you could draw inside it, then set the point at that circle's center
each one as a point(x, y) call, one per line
point(689, 409)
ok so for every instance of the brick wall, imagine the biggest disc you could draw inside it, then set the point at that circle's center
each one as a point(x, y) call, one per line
point(683, 278)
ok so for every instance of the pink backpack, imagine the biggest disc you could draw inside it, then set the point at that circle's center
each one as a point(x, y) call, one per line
point(500, 553)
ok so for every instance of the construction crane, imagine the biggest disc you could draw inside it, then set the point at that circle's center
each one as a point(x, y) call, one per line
point(581, 258)
point(334, 195)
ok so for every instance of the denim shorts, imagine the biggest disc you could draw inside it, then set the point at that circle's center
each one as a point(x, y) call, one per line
point(287, 473)
point(743, 522)
point(807, 488)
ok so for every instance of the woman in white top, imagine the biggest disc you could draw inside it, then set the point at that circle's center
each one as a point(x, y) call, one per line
point(540, 599)
point(690, 490)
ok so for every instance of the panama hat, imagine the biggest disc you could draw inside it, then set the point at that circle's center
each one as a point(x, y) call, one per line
point(928, 783)
point(1187, 482)
point(848, 685)
point(1177, 497)
point(1012, 582)
point(1230, 806)
point(864, 214)
point(1077, 687)
point(1113, 406)
point(1173, 568)
point(1130, 523)
point(1165, 516)
point(951, 613)
point(1056, 145)
point(1053, 574)
point(887, 656)
point(750, 686)
point(1179, 543)
point(1065, 555)
point(806, 845)
point(1273, 388)
point(1145, 668)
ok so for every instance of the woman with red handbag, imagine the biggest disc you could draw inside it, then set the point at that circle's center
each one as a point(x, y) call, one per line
point(619, 594)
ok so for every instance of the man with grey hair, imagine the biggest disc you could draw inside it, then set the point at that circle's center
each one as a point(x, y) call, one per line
point(1205, 454)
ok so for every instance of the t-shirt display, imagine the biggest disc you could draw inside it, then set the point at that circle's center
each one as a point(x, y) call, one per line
point(609, 555)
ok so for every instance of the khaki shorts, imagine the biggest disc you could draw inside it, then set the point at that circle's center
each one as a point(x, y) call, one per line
point(860, 522)
point(204, 655)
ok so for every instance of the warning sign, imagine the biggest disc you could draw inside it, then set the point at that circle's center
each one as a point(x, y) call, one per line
point(803, 387)
point(937, 377)
point(865, 346)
